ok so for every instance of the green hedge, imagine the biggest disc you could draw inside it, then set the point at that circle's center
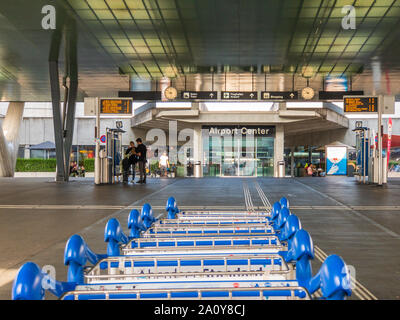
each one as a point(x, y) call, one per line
point(46, 165)
point(88, 164)
point(35, 165)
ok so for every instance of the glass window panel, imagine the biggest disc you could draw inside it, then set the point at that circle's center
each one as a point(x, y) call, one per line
point(170, 14)
point(134, 4)
point(116, 4)
point(167, 4)
point(127, 50)
point(122, 42)
point(104, 14)
point(86, 14)
point(139, 14)
point(97, 4)
point(78, 4)
point(157, 49)
point(122, 14)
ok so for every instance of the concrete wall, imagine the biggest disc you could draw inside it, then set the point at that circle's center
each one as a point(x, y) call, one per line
point(38, 130)
point(346, 136)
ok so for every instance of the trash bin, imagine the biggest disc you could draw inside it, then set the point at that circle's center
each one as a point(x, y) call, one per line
point(281, 169)
point(197, 169)
point(350, 170)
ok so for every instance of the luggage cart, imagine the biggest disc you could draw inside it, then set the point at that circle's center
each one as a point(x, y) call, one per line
point(205, 268)
point(209, 222)
point(222, 214)
point(333, 278)
point(194, 293)
point(201, 258)
point(252, 228)
point(203, 246)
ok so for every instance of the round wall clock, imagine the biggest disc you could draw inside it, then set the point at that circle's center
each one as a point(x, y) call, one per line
point(307, 93)
point(170, 93)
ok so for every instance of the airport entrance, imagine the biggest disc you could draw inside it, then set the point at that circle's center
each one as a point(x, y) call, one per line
point(238, 151)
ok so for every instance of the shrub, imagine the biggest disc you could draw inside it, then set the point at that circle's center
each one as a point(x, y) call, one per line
point(47, 165)
point(89, 165)
point(35, 165)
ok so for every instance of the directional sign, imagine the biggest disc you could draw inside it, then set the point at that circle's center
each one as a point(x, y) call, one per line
point(200, 95)
point(279, 95)
point(338, 95)
point(239, 95)
point(360, 104)
point(116, 106)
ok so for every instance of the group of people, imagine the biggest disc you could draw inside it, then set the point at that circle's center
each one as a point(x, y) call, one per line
point(135, 155)
point(75, 170)
point(312, 170)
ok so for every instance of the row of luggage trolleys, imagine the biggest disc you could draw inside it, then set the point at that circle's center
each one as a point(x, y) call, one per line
point(194, 255)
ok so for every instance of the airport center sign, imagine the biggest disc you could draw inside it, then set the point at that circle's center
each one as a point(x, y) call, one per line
point(266, 131)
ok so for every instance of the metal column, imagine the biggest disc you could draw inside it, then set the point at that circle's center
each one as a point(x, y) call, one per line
point(63, 125)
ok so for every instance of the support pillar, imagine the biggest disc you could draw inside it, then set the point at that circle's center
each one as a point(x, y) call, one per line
point(278, 147)
point(292, 162)
point(63, 121)
point(198, 146)
point(9, 138)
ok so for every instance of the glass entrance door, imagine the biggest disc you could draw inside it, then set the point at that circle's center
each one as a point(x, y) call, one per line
point(229, 158)
point(238, 157)
point(247, 157)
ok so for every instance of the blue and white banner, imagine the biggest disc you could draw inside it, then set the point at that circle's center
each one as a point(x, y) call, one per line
point(336, 160)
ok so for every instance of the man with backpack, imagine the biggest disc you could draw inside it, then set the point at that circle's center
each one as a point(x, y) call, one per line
point(141, 151)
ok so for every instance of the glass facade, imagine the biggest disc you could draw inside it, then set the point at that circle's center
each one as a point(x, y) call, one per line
point(238, 151)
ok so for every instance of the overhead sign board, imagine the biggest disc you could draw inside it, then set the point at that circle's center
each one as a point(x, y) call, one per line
point(279, 95)
point(338, 95)
point(140, 95)
point(239, 95)
point(360, 104)
point(116, 106)
point(200, 95)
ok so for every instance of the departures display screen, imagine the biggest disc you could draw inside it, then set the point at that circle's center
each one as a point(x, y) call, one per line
point(116, 106)
point(360, 104)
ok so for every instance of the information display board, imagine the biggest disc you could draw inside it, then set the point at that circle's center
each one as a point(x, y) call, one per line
point(200, 95)
point(116, 106)
point(360, 104)
point(336, 160)
point(279, 95)
point(239, 95)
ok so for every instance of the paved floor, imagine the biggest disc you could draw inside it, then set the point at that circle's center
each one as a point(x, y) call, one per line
point(360, 223)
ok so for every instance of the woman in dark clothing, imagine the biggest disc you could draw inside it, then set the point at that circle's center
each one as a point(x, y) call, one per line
point(130, 159)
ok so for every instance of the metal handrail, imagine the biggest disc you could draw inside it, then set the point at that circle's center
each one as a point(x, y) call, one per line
point(198, 274)
point(233, 225)
point(157, 242)
point(203, 235)
point(96, 269)
point(199, 292)
point(216, 223)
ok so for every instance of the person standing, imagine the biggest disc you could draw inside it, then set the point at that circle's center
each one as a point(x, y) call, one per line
point(141, 151)
point(163, 164)
point(130, 159)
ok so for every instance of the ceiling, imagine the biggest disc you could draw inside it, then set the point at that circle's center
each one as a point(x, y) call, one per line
point(152, 39)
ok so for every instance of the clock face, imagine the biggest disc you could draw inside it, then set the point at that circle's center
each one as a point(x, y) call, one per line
point(170, 93)
point(307, 93)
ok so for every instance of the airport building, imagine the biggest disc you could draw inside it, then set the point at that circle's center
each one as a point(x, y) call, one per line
point(270, 168)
